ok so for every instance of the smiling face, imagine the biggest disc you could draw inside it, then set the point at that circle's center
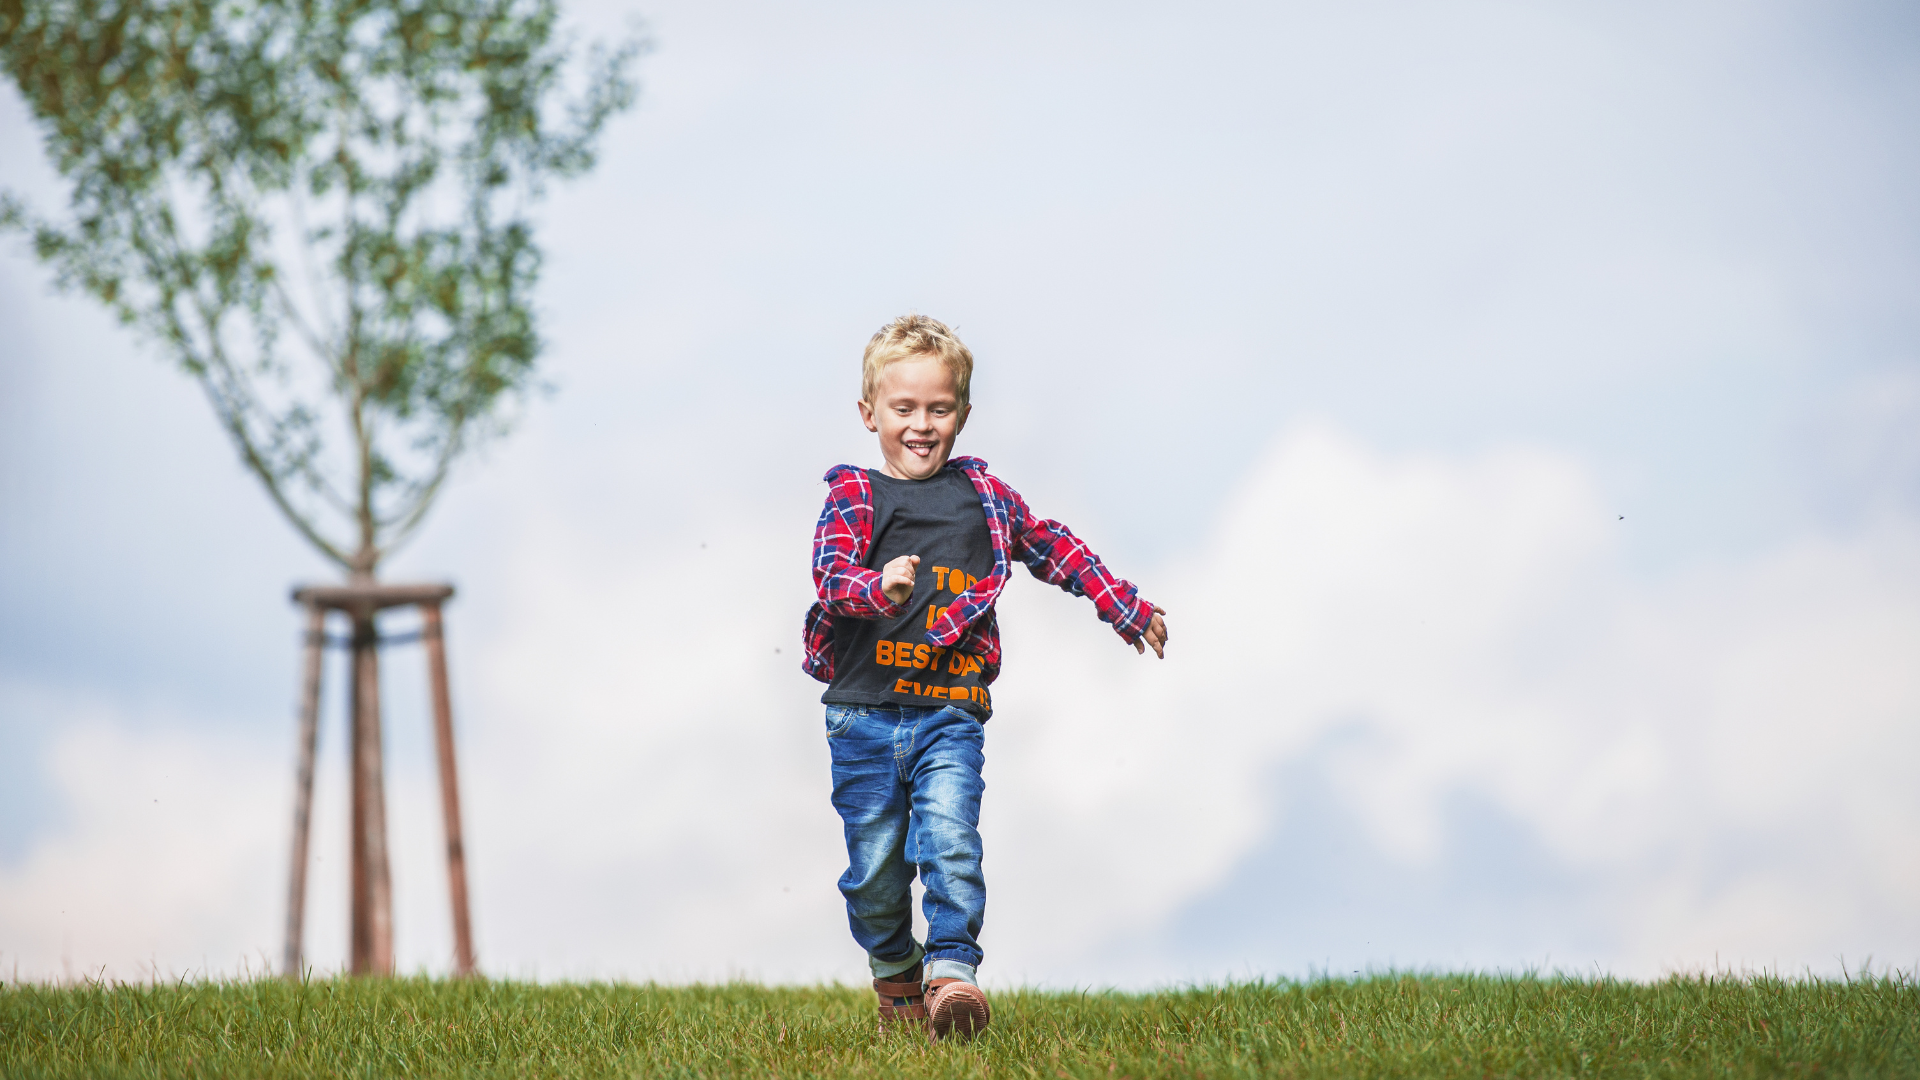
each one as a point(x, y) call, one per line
point(917, 413)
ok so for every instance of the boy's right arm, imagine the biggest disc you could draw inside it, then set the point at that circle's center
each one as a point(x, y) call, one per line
point(847, 589)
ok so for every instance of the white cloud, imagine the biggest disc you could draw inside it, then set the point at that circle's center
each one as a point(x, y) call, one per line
point(1671, 248)
point(163, 863)
point(1718, 753)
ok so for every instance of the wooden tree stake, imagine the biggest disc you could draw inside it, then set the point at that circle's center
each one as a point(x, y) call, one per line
point(303, 789)
point(371, 951)
point(433, 636)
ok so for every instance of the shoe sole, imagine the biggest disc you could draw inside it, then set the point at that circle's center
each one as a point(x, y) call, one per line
point(957, 1011)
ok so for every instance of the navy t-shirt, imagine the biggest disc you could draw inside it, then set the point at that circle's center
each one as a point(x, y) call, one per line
point(888, 661)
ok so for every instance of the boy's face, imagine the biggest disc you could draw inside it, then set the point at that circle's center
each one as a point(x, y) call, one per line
point(916, 411)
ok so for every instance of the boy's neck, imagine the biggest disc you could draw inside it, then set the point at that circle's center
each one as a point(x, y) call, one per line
point(886, 470)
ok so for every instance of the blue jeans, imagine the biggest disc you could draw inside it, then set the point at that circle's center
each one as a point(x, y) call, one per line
point(906, 782)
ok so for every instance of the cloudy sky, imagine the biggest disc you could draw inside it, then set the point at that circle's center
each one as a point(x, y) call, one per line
point(1516, 406)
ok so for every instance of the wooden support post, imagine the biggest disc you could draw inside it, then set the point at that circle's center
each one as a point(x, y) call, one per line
point(303, 790)
point(371, 948)
point(432, 634)
point(372, 882)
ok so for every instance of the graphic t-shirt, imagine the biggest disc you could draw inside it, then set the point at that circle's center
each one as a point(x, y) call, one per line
point(888, 661)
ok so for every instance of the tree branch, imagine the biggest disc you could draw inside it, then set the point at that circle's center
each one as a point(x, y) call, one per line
point(404, 523)
point(222, 384)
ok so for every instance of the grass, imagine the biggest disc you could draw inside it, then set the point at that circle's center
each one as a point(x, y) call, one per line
point(1387, 1025)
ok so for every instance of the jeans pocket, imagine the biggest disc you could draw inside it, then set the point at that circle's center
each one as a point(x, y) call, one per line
point(840, 718)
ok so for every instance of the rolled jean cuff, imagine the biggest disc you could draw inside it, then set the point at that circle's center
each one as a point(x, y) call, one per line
point(887, 969)
point(950, 969)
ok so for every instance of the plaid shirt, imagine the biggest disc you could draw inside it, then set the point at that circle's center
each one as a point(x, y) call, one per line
point(848, 590)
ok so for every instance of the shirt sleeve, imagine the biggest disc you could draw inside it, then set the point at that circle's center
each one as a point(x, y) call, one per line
point(1056, 556)
point(847, 589)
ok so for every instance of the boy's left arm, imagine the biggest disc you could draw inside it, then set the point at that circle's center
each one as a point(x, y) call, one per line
point(1056, 556)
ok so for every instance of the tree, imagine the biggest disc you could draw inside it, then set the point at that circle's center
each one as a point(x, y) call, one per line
point(318, 208)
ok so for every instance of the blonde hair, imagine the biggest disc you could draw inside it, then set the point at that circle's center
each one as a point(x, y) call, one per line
point(911, 336)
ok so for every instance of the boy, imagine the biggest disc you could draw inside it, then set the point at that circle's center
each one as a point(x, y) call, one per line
point(908, 561)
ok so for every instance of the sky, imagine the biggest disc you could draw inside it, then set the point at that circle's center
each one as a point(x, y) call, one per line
point(1515, 406)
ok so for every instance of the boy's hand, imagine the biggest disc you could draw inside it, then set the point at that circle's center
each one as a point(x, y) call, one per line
point(896, 578)
point(1155, 635)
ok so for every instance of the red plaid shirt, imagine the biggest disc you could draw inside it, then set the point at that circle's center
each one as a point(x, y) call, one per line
point(848, 590)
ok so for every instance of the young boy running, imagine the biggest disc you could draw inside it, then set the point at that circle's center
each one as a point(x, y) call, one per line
point(907, 562)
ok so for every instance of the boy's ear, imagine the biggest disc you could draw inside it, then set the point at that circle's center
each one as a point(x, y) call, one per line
point(866, 415)
point(962, 425)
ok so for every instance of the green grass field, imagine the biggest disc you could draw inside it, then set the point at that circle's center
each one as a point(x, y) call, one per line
point(1414, 1026)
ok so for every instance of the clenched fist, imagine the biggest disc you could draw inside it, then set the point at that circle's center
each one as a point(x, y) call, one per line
point(896, 578)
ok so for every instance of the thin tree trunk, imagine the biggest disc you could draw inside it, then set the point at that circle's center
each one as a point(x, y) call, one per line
point(303, 790)
point(372, 881)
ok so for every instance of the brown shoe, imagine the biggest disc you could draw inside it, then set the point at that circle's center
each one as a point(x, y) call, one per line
point(902, 999)
point(956, 1010)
